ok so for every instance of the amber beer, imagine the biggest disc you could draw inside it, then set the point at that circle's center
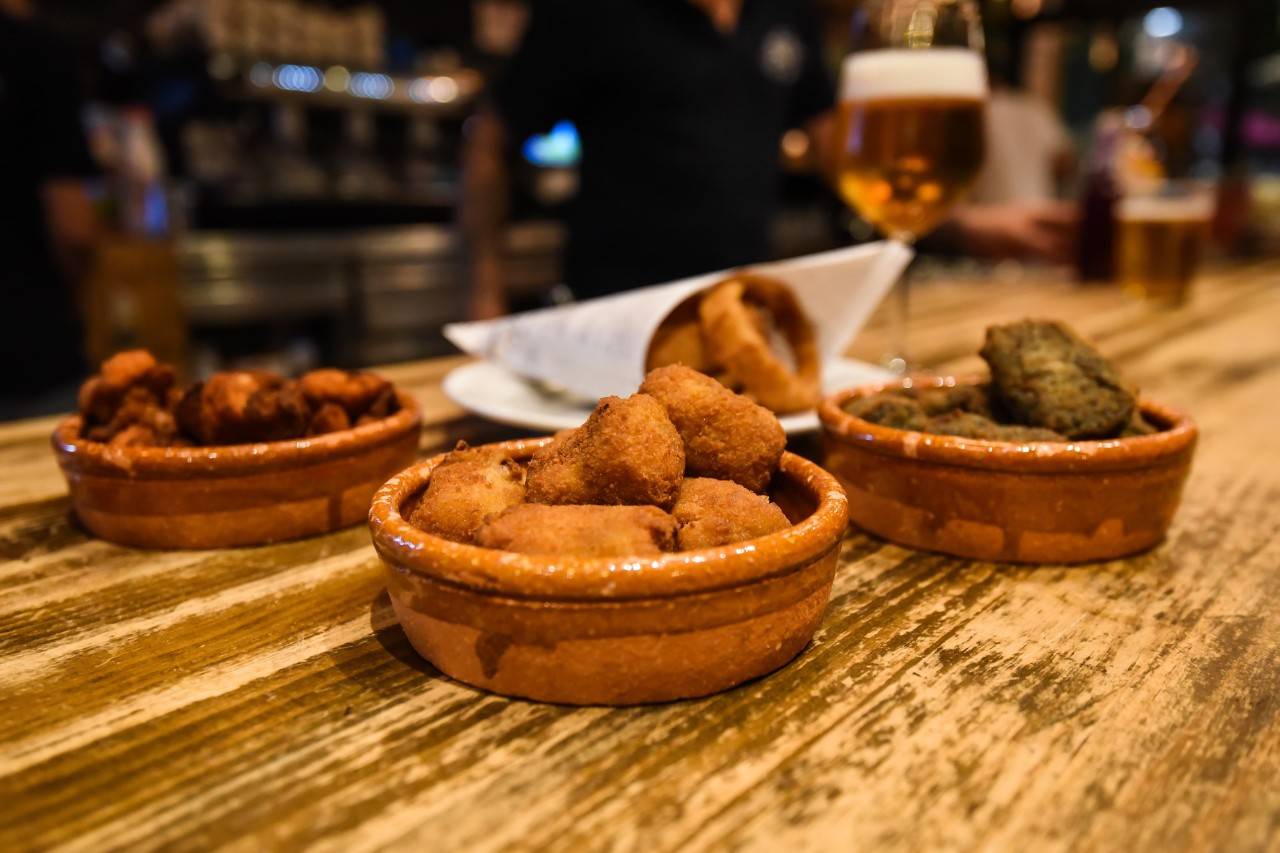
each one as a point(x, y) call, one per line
point(913, 127)
point(1158, 244)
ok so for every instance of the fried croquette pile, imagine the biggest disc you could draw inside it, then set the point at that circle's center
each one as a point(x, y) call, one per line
point(1047, 384)
point(133, 402)
point(681, 464)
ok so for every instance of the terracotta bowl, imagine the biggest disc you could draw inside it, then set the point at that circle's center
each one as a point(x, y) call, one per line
point(613, 631)
point(247, 494)
point(1037, 502)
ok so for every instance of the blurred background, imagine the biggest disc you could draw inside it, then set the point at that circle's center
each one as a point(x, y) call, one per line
point(278, 183)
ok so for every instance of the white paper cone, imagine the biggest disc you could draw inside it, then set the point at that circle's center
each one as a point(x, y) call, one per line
point(596, 348)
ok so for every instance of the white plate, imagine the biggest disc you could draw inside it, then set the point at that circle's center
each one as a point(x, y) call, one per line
point(493, 392)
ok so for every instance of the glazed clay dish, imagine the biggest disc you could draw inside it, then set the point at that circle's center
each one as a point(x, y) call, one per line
point(242, 494)
point(608, 630)
point(1030, 502)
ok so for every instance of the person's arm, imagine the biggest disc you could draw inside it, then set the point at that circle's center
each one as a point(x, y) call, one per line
point(1042, 230)
point(72, 225)
point(484, 213)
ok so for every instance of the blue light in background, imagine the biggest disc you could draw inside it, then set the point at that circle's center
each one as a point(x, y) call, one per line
point(297, 78)
point(559, 148)
point(1162, 22)
point(366, 84)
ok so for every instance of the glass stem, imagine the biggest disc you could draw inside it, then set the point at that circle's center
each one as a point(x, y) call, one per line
point(898, 359)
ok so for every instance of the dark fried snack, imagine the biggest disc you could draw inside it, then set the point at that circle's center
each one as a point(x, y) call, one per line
point(1138, 425)
point(584, 531)
point(132, 402)
point(628, 452)
point(886, 408)
point(216, 411)
point(383, 406)
point(330, 417)
point(711, 513)
point(970, 425)
point(725, 436)
point(279, 413)
point(127, 404)
point(1048, 377)
point(467, 488)
point(356, 392)
point(979, 399)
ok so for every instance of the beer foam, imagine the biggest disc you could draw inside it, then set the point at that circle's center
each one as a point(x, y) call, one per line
point(946, 72)
point(1197, 208)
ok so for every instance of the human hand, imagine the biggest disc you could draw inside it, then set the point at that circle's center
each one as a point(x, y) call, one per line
point(1041, 230)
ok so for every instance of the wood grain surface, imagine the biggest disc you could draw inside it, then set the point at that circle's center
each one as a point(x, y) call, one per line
point(265, 698)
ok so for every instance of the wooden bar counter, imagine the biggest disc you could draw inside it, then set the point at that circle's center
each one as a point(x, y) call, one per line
point(265, 698)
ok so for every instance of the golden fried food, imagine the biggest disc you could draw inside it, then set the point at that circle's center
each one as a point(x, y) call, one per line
point(468, 487)
point(711, 513)
point(678, 340)
point(584, 531)
point(734, 339)
point(628, 452)
point(726, 436)
point(356, 392)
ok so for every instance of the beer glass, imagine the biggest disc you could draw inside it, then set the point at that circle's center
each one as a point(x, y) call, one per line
point(912, 113)
point(1161, 230)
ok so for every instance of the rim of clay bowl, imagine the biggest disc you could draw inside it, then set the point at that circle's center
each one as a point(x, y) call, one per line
point(81, 454)
point(489, 570)
point(1141, 451)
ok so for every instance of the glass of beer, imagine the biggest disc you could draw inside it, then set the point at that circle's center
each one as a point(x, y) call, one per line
point(912, 112)
point(1161, 230)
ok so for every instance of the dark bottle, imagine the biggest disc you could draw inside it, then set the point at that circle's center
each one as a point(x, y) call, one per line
point(1096, 259)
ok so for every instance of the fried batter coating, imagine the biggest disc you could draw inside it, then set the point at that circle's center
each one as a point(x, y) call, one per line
point(356, 392)
point(277, 414)
point(216, 411)
point(383, 406)
point(138, 419)
point(328, 418)
point(584, 531)
point(718, 512)
point(678, 340)
point(628, 452)
point(969, 425)
point(130, 385)
point(886, 408)
point(468, 487)
point(726, 436)
point(1047, 376)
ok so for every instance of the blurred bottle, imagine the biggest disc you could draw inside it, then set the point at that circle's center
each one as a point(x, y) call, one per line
point(1098, 197)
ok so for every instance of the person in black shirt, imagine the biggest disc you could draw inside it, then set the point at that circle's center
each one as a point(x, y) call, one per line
point(680, 105)
point(48, 222)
